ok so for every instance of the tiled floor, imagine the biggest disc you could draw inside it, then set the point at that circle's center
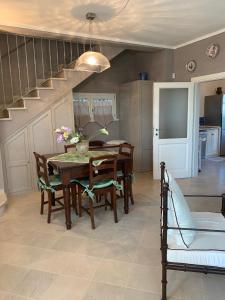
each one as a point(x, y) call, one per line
point(114, 262)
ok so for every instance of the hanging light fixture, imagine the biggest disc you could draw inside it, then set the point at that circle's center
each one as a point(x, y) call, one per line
point(92, 61)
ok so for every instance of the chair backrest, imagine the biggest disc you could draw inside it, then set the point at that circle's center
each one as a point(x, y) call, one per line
point(41, 165)
point(96, 143)
point(66, 147)
point(128, 150)
point(106, 169)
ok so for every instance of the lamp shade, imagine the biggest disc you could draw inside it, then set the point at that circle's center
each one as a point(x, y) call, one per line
point(92, 61)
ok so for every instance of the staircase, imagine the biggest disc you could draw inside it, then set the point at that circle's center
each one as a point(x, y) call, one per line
point(32, 103)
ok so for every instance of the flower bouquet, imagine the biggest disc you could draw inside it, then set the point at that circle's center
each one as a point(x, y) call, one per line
point(66, 134)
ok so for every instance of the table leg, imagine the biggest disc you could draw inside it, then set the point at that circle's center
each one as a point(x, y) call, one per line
point(126, 194)
point(66, 192)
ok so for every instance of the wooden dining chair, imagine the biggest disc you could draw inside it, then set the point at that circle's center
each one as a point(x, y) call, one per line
point(127, 150)
point(51, 184)
point(69, 146)
point(96, 143)
point(102, 181)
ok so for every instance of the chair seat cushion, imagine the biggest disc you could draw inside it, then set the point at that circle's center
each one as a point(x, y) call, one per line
point(97, 185)
point(207, 248)
point(54, 180)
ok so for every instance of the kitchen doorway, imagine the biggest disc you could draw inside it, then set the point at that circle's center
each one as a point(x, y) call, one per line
point(209, 146)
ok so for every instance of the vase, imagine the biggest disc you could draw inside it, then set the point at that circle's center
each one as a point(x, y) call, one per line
point(82, 147)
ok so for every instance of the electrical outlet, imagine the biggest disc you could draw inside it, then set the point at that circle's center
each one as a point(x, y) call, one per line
point(173, 76)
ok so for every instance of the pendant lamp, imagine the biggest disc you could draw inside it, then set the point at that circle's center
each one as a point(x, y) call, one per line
point(92, 61)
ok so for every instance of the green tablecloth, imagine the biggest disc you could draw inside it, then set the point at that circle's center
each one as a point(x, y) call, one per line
point(76, 157)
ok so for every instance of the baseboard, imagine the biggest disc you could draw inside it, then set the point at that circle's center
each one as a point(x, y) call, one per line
point(3, 201)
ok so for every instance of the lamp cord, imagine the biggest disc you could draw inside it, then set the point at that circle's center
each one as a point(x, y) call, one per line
point(125, 5)
point(90, 34)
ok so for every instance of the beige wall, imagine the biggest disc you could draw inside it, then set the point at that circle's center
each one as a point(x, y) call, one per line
point(196, 51)
point(122, 70)
point(158, 64)
point(125, 68)
point(1, 174)
point(208, 89)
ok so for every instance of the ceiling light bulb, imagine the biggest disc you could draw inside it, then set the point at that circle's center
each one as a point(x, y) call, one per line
point(91, 60)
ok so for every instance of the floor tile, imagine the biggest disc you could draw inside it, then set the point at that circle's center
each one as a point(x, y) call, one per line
point(65, 263)
point(145, 278)
point(34, 284)
point(114, 262)
point(113, 272)
point(67, 288)
point(102, 291)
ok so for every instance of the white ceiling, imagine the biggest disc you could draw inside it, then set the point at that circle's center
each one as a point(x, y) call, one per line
point(162, 23)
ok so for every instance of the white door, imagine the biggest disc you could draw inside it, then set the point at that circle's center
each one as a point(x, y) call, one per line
point(173, 127)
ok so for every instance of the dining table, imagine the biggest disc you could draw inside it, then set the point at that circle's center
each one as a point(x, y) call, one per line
point(70, 170)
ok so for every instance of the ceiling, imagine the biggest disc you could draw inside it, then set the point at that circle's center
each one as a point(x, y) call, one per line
point(157, 23)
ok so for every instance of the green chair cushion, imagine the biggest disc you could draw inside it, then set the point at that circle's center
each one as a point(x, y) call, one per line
point(54, 180)
point(97, 185)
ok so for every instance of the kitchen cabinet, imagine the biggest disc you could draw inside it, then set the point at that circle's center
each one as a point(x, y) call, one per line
point(135, 114)
point(213, 142)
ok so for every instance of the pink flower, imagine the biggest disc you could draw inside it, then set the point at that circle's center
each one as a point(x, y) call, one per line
point(59, 138)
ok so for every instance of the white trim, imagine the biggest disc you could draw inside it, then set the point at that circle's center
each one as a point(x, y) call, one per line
point(210, 77)
point(203, 37)
point(22, 29)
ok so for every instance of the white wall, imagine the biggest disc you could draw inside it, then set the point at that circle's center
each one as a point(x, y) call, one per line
point(208, 89)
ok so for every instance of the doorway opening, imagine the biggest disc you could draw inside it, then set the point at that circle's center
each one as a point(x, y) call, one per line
point(210, 127)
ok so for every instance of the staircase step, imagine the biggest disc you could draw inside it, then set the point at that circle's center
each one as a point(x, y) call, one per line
point(60, 74)
point(31, 98)
point(4, 114)
point(16, 108)
point(18, 103)
point(71, 65)
point(47, 83)
point(32, 93)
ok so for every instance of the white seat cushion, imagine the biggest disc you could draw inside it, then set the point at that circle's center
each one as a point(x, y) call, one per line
point(179, 215)
point(207, 248)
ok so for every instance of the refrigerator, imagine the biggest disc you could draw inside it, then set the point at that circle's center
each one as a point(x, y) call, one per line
point(214, 113)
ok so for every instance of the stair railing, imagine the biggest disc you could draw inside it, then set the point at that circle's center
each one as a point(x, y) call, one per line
point(26, 62)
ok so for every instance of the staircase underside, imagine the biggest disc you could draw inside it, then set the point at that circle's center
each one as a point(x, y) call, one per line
point(37, 100)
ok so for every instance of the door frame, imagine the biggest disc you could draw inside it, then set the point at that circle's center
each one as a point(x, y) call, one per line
point(197, 80)
point(190, 120)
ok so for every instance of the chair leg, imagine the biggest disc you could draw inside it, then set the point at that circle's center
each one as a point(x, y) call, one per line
point(74, 198)
point(164, 282)
point(53, 199)
point(114, 205)
point(91, 211)
point(131, 192)
point(223, 205)
point(49, 206)
point(79, 201)
point(42, 201)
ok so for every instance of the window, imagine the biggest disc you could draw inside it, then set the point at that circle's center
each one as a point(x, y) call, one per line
point(94, 107)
